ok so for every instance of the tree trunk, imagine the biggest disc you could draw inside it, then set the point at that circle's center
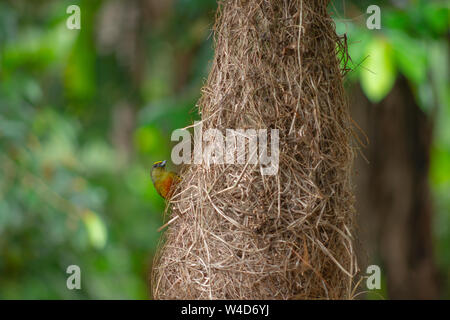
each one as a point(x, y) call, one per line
point(393, 196)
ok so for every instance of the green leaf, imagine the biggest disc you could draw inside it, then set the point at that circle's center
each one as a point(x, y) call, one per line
point(95, 228)
point(410, 56)
point(440, 166)
point(437, 17)
point(379, 72)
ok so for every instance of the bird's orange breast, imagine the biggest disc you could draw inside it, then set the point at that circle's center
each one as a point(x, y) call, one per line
point(164, 185)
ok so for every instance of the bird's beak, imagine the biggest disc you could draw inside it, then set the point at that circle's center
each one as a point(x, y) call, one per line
point(163, 163)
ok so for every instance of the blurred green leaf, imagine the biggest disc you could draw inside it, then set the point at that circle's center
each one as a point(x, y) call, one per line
point(440, 166)
point(437, 16)
point(96, 229)
point(79, 73)
point(379, 75)
point(410, 56)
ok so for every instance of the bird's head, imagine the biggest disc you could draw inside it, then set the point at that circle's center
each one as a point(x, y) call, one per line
point(157, 169)
point(159, 164)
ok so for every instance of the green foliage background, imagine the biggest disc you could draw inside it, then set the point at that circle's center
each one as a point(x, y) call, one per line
point(68, 195)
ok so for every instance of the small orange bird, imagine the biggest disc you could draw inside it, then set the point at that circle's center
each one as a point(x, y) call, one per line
point(163, 180)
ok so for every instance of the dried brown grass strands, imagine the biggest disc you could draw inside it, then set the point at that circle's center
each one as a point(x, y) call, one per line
point(241, 235)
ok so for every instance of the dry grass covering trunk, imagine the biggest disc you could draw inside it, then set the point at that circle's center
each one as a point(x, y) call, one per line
point(244, 235)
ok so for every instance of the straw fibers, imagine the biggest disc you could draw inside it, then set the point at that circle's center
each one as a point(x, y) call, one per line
point(238, 234)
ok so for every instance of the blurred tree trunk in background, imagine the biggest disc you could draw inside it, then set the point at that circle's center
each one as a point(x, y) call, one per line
point(122, 30)
point(120, 33)
point(392, 190)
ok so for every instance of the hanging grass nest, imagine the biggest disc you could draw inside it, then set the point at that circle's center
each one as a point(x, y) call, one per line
point(239, 234)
